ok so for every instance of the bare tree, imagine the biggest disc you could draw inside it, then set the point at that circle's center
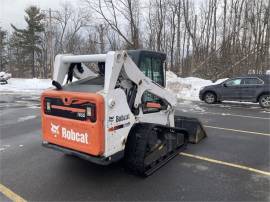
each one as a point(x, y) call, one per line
point(114, 12)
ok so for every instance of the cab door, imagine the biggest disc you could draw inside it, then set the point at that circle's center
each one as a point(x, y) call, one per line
point(152, 67)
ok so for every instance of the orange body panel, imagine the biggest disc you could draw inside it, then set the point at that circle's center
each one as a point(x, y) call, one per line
point(84, 136)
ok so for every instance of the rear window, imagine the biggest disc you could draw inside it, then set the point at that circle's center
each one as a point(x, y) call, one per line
point(92, 83)
point(252, 81)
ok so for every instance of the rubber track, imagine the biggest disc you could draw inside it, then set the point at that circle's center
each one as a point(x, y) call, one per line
point(136, 146)
point(136, 150)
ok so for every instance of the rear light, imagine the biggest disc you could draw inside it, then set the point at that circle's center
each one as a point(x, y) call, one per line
point(88, 111)
point(91, 112)
point(48, 106)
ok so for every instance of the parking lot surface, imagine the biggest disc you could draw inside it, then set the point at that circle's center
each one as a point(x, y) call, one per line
point(232, 163)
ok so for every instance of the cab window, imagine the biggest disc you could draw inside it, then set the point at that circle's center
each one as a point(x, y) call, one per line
point(146, 67)
point(152, 103)
point(157, 71)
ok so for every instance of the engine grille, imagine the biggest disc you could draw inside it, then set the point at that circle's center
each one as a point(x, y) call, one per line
point(76, 110)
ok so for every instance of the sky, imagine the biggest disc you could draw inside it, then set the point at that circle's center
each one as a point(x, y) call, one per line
point(12, 11)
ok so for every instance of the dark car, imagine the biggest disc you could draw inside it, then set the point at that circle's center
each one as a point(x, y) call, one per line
point(255, 88)
point(3, 81)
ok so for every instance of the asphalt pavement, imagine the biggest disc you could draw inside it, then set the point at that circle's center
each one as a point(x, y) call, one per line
point(232, 163)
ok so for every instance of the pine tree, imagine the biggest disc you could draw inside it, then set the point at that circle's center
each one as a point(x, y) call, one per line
point(30, 38)
point(3, 49)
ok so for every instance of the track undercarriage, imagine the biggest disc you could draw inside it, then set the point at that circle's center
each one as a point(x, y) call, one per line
point(150, 146)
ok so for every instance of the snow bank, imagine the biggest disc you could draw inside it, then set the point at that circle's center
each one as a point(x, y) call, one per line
point(170, 75)
point(188, 88)
point(26, 85)
point(185, 88)
point(5, 75)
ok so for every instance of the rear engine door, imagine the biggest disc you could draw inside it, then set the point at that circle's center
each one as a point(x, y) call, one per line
point(73, 120)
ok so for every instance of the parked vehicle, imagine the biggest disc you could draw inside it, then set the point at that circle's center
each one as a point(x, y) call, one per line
point(3, 81)
point(121, 112)
point(252, 88)
point(4, 77)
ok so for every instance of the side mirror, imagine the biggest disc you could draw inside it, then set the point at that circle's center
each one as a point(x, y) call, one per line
point(225, 85)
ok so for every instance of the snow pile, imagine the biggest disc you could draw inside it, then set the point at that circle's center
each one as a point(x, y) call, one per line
point(188, 88)
point(26, 85)
point(170, 75)
point(185, 88)
point(4, 75)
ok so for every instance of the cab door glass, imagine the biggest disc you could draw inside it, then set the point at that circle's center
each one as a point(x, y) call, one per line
point(145, 67)
point(152, 68)
point(157, 71)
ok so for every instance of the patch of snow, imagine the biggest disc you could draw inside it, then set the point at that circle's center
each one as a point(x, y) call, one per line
point(33, 107)
point(237, 102)
point(25, 118)
point(170, 75)
point(26, 85)
point(220, 81)
point(5, 75)
point(6, 145)
point(225, 114)
point(187, 88)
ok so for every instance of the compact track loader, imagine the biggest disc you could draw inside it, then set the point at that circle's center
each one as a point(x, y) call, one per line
point(117, 109)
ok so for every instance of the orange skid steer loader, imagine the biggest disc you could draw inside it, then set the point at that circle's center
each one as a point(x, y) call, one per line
point(113, 106)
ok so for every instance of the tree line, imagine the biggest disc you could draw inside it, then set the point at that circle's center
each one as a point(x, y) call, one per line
point(210, 39)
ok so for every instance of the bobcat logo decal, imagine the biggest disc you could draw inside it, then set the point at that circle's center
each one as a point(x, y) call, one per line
point(55, 129)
